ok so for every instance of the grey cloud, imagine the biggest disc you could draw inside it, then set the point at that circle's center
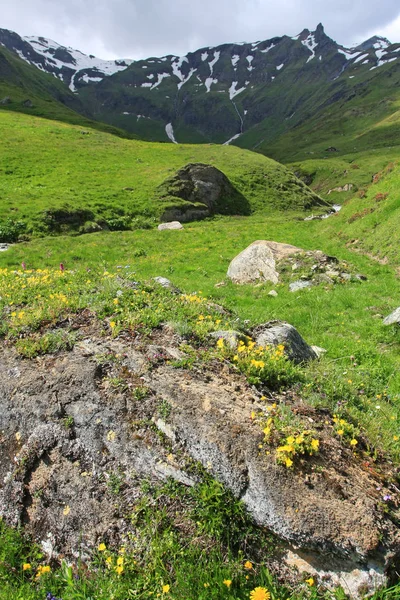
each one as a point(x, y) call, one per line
point(141, 28)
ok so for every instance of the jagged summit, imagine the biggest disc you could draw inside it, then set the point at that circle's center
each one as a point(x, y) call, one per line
point(376, 42)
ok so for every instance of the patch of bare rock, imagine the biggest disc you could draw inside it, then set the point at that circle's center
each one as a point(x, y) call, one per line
point(66, 431)
point(266, 261)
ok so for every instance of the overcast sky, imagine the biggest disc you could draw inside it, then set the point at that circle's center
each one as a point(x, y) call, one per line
point(143, 28)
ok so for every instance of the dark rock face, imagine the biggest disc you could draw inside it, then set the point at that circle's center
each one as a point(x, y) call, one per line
point(205, 191)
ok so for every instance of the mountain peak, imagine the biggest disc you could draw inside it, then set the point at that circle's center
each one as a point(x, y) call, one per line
point(376, 42)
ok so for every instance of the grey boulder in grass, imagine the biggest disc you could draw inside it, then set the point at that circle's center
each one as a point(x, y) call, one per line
point(393, 318)
point(258, 262)
point(170, 225)
point(275, 333)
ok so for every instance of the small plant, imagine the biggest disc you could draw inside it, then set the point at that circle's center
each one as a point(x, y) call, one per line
point(10, 230)
point(68, 421)
point(282, 428)
point(346, 431)
point(164, 409)
point(140, 392)
point(263, 365)
point(115, 482)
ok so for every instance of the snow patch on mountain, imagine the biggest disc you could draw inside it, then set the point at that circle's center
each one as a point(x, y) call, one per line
point(160, 77)
point(250, 59)
point(349, 54)
point(311, 44)
point(169, 130)
point(235, 59)
point(211, 64)
point(185, 79)
point(279, 67)
point(234, 137)
point(204, 56)
point(88, 79)
point(268, 49)
point(176, 65)
point(208, 83)
point(360, 58)
point(233, 91)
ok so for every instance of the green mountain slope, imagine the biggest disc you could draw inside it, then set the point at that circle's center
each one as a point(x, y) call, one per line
point(24, 88)
point(100, 180)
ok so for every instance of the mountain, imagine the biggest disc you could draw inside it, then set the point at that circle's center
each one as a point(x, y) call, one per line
point(25, 89)
point(73, 67)
point(287, 97)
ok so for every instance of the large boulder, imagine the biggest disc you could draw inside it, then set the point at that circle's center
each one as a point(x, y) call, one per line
point(258, 262)
point(197, 191)
point(277, 333)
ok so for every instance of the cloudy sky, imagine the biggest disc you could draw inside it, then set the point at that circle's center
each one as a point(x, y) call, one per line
point(144, 28)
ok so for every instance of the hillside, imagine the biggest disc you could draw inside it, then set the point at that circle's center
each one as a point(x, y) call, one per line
point(24, 88)
point(100, 180)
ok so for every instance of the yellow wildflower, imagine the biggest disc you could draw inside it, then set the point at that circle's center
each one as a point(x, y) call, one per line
point(260, 593)
point(120, 560)
point(119, 570)
point(340, 432)
point(101, 547)
point(353, 442)
point(227, 582)
point(165, 588)
point(315, 444)
point(248, 565)
point(288, 462)
point(220, 344)
point(26, 567)
point(310, 581)
point(112, 324)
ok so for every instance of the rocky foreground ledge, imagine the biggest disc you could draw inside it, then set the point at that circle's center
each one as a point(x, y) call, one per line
point(73, 422)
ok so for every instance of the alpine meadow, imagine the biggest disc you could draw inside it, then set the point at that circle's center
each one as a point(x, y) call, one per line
point(200, 322)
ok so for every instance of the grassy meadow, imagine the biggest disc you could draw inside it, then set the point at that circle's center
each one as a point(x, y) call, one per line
point(358, 379)
point(97, 178)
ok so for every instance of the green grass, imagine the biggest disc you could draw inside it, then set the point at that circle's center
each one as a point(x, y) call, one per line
point(47, 165)
point(344, 319)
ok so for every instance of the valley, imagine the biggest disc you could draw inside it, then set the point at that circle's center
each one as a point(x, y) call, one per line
point(152, 442)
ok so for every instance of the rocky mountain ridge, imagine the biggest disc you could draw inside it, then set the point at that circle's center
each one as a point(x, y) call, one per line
point(73, 67)
point(249, 94)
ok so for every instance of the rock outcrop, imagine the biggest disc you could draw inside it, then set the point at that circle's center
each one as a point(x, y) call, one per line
point(67, 434)
point(198, 191)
